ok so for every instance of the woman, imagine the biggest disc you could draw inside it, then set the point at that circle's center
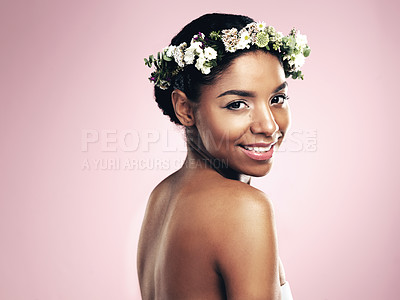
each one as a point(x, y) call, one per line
point(208, 234)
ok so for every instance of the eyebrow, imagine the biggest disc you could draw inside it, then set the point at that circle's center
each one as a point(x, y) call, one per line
point(282, 86)
point(251, 94)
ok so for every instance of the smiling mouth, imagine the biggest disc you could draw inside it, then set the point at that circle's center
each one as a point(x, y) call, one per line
point(259, 153)
point(258, 149)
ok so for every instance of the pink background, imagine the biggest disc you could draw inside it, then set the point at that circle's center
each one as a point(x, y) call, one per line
point(72, 69)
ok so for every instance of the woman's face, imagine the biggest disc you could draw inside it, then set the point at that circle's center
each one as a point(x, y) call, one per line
point(243, 117)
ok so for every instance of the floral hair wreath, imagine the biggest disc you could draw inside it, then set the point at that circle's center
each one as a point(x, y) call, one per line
point(205, 52)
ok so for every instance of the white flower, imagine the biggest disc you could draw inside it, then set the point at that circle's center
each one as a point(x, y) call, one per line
point(231, 48)
point(200, 65)
point(299, 60)
point(260, 26)
point(200, 62)
point(210, 53)
point(245, 40)
point(179, 53)
point(230, 39)
point(271, 30)
point(170, 50)
point(301, 40)
point(205, 70)
point(189, 56)
point(196, 46)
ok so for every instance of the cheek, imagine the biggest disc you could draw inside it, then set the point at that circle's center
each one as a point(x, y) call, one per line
point(218, 130)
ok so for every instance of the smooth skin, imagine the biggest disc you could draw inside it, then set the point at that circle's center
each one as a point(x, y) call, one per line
point(210, 236)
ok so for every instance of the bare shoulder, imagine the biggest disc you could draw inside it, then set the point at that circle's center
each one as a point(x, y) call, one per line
point(162, 188)
point(239, 199)
point(242, 205)
point(244, 240)
point(162, 184)
point(157, 202)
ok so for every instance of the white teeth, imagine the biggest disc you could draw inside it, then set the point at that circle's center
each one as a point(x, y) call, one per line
point(258, 149)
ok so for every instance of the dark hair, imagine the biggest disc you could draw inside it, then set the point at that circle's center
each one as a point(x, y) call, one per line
point(190, 79)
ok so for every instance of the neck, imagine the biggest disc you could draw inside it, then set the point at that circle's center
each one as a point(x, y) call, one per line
point(199, 157)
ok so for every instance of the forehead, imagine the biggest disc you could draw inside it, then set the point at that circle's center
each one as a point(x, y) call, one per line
point(256, 71)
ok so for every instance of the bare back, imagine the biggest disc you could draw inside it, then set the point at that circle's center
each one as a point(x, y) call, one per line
point(181, 237)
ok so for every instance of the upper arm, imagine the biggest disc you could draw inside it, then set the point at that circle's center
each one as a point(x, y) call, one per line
point(246, 253)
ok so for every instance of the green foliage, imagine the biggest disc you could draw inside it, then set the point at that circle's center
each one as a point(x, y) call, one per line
point(306, 51)
point(215, 35)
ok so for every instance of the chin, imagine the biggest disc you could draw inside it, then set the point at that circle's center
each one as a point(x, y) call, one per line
point(259, 171)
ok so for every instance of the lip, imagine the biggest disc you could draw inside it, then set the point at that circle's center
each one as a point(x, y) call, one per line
point(258, 144)
point(259, 155)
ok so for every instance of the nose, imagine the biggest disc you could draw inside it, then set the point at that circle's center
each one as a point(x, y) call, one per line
point(264, 121)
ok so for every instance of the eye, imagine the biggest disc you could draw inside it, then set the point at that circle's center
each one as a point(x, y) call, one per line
point(279, 99)
point(237, 105)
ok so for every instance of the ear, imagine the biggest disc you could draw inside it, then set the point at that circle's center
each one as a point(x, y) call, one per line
point(183, 108)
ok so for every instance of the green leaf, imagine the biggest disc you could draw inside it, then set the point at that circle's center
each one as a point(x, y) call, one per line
point(148, 63)
point(291, 41)
point(306, 52)
point(166, 57)
point(214, 35)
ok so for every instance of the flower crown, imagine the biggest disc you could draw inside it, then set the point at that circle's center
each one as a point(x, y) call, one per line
point(205, 52)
